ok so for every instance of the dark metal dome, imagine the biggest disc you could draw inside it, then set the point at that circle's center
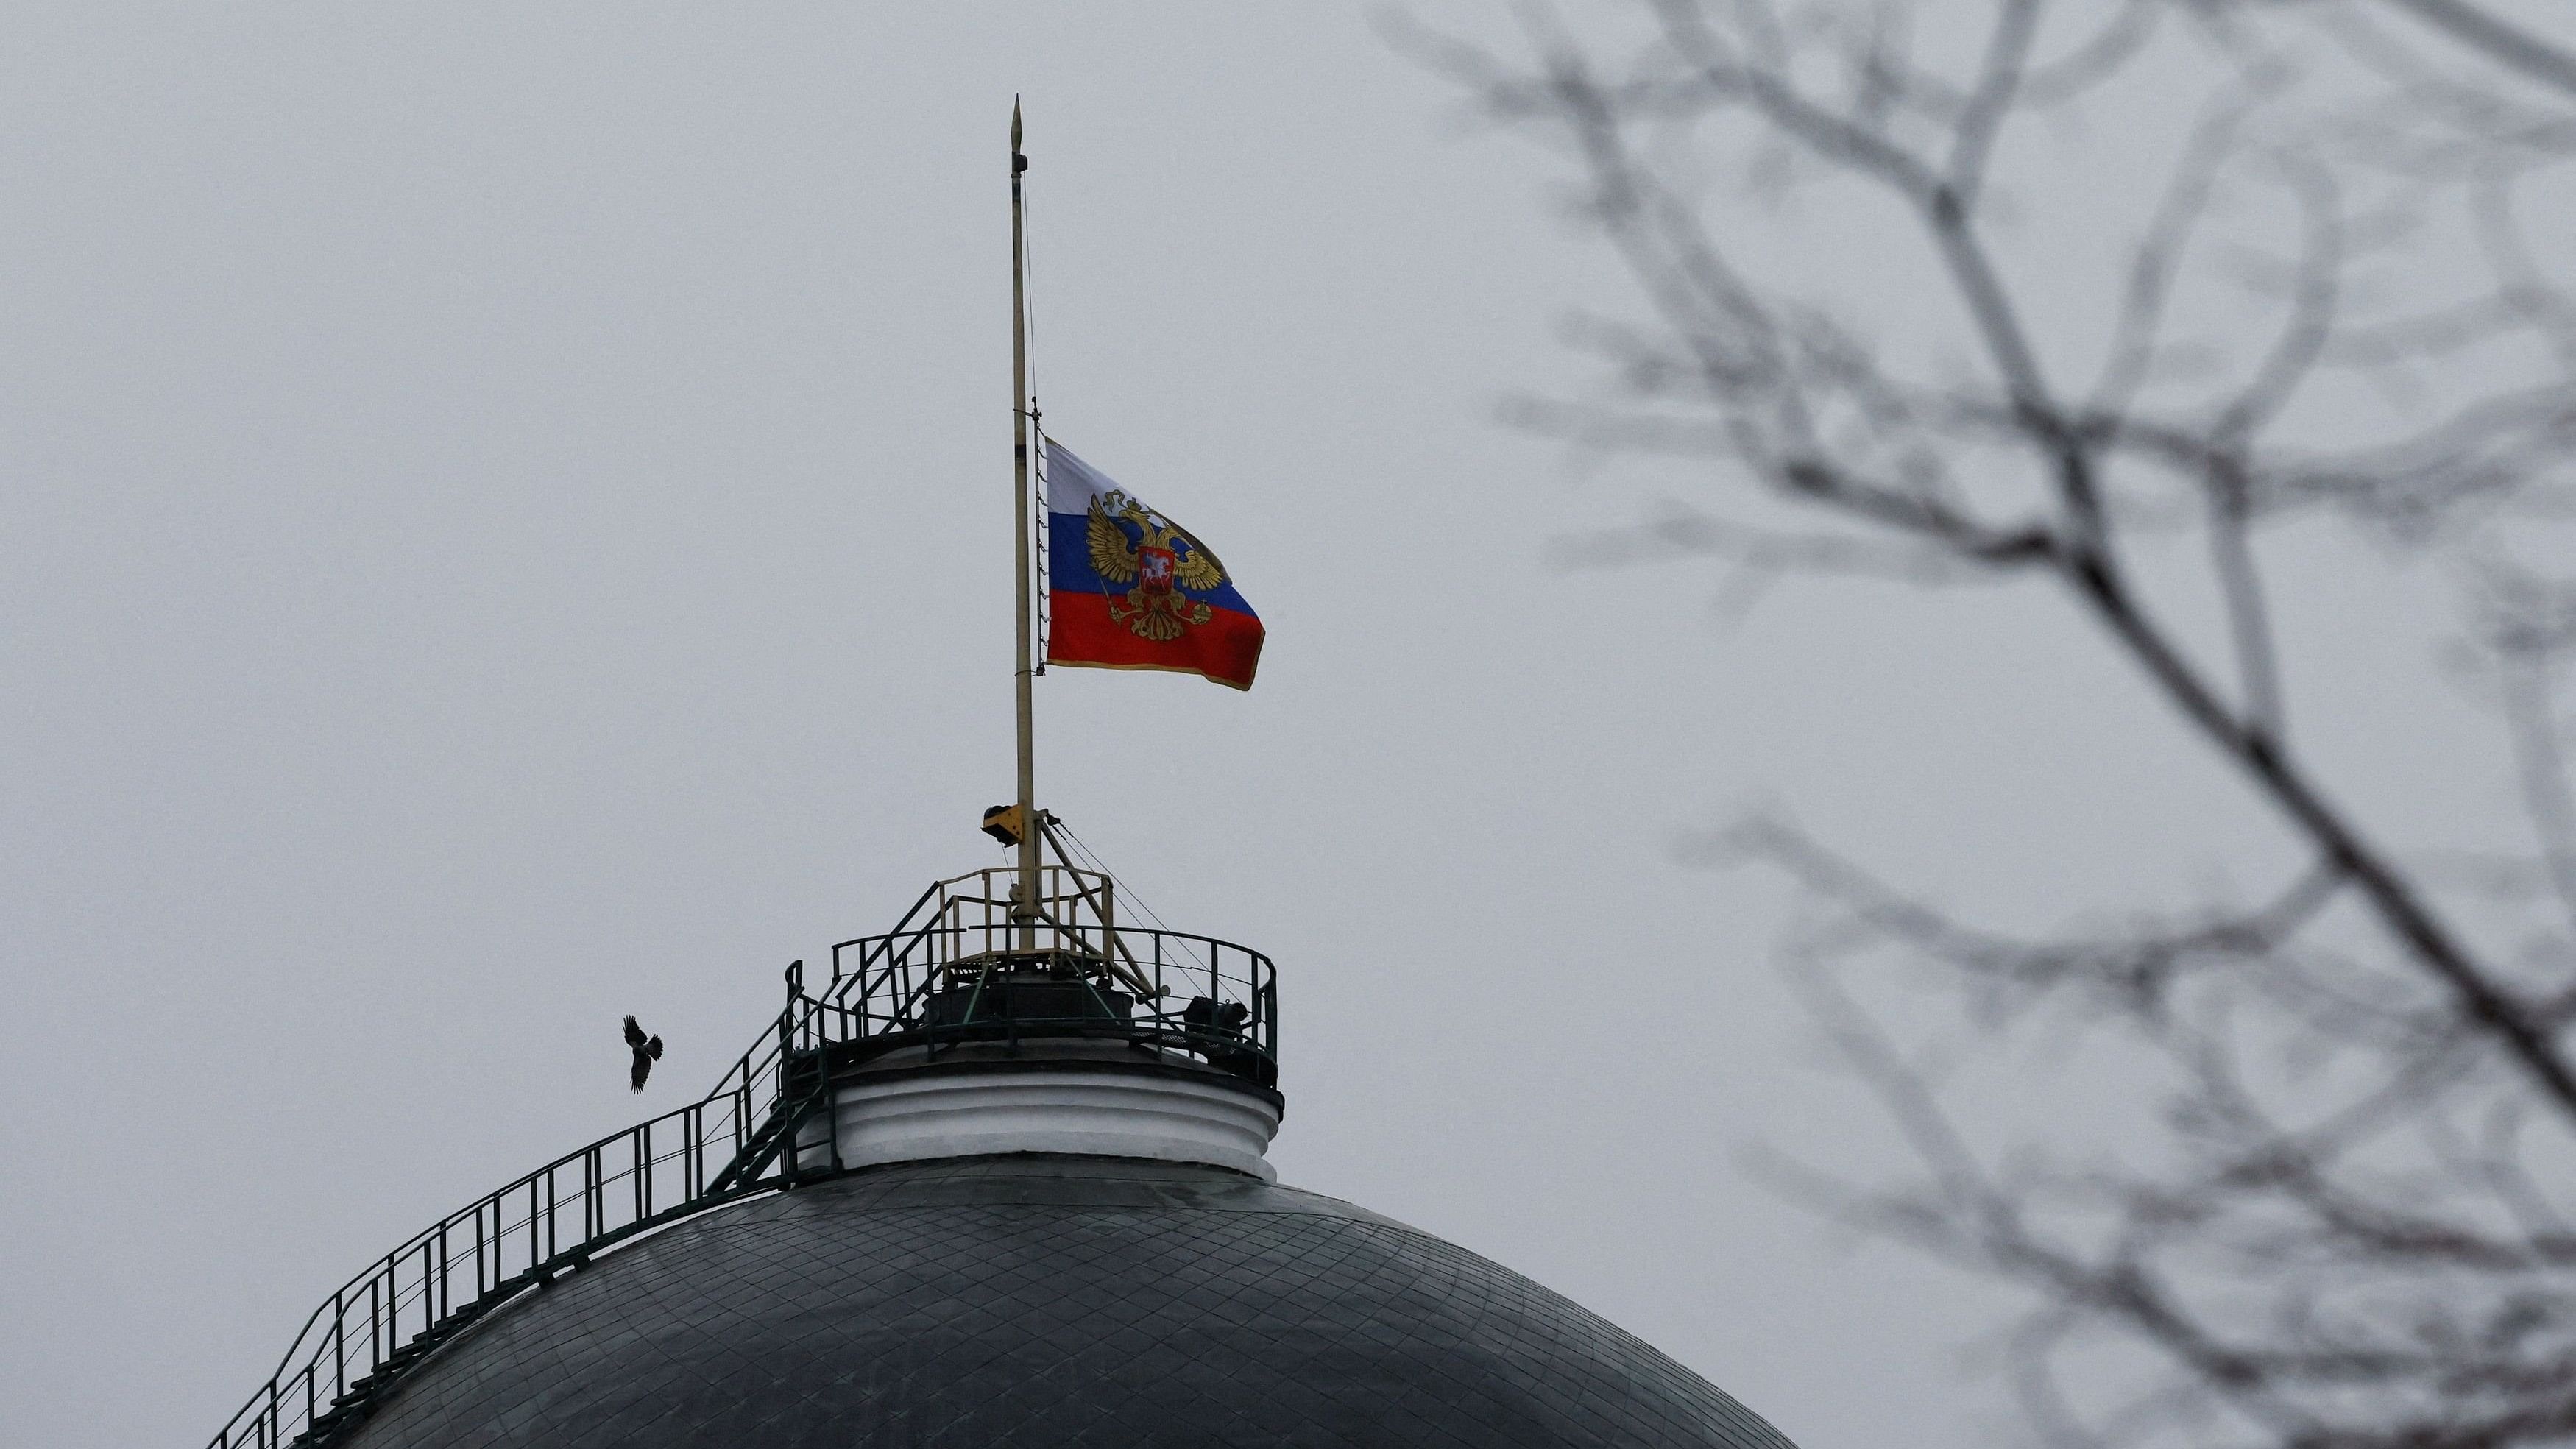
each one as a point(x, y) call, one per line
point(1050, 1301)
point(977, 1192)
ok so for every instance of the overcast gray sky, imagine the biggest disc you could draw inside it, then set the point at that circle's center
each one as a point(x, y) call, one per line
point(504, 523)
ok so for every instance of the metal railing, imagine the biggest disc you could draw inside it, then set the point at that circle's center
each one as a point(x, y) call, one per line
point(443, 1278)
point(958, 969)
point(961, 968)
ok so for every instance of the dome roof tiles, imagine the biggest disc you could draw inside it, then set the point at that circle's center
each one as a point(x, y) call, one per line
point(1040, 1302)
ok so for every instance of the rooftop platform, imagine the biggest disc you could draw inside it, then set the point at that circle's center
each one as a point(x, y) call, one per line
point(971, 1029)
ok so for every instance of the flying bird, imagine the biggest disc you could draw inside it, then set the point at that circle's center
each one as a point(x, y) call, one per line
point(648, 1050)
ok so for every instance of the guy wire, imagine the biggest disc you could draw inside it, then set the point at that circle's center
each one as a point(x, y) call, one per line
point(1094, 862)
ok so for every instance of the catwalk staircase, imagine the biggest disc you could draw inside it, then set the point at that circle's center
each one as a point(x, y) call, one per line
point(932, 983)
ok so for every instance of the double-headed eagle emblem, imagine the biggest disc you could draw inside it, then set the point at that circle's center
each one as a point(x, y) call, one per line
point(1156, 608)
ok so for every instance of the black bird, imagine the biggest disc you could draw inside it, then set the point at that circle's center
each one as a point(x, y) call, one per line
point(648, 1050)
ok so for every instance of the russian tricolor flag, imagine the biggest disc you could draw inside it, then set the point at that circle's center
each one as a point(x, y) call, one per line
point(1128, 588)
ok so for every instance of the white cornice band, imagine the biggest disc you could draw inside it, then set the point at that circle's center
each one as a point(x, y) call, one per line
point(911, 1116)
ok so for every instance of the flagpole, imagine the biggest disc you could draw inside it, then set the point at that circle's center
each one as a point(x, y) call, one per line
point(1025, 907)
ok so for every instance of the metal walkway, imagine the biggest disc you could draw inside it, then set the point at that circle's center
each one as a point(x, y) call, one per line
point(924, 983)
point(354, 1348)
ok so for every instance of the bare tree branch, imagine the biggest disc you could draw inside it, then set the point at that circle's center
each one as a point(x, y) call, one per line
point(1991, 102)
point(2241, 586)
point(2528, 632)
point(2343, 1213)
point(2510, 46)
point(2154, 260)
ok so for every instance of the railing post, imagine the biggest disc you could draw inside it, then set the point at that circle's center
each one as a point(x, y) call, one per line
point(690, 1185)
point(1108, 920)
point(830, 1110)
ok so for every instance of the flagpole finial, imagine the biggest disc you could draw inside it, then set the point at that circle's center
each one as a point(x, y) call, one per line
point(1019, 163)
